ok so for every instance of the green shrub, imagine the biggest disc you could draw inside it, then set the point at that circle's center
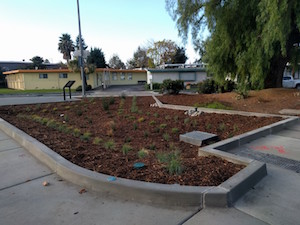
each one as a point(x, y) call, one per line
point(173, 86)
point(186, 120)
point(163, 126)
point(76, 132)
point(152, 122)
point(207, 86)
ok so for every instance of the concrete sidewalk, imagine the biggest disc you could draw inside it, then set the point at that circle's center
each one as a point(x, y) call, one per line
point(274, 200)
point(24, 199)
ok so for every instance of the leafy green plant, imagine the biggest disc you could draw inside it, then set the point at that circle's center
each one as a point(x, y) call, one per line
point(152, 146)
point(54, 109)
point(173, 86)
point(222, 126)
point(127, 139)
point(67, 107)
point(86, 136)
point(126, 148)
point(76, 132)
point(156, 115)
point(186, 120)
point(109, 145)
point(176, 118)
point(97, 141)
point(175, 130)
point(142, 153)
point(134, 108)
point(78, 112)
point(163, 126)
point(146, 134)
point(172, 161)
point(166, 136)
point(208, 126)
point(111, 100)
point(135, 126)
point(132, 117)
point(141, 119)
point(152, 122)
point(235, 128)
point(105, 104)
point(215, 105)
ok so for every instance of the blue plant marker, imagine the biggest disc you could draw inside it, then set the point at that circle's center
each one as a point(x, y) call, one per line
point(111, 179)
point(138, 165)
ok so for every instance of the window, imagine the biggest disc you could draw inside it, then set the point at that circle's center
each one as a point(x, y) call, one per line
point(63, 75)
point(129, 76)
point(122, 76)
point(43, 76)
point(286, 78)
point(114, 76)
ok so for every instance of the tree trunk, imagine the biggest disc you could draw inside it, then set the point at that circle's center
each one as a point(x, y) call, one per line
point(274, 77)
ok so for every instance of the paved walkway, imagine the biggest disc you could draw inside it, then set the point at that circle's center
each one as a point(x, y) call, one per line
point(24, 199)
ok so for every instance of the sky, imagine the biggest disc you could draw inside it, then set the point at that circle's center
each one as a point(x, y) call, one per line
point(33, 27)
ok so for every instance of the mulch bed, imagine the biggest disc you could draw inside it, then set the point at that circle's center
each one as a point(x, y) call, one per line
point(150, 136)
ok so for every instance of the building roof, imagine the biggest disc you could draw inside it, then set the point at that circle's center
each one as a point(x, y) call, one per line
point(196, 69)
point(70, 71)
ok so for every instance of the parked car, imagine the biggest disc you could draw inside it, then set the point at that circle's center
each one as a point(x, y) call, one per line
point(290, 82)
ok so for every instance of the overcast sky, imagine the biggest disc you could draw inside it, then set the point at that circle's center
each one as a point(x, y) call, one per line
point(33, 27)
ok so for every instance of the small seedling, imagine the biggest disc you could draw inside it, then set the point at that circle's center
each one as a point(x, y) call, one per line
point(111, 100)
point(126, 148)
point(146, 134)
point(156, 115)
point(175, 130)
point(105, 104)
point(166, 136)
point(141, 119)
point(97, 141)
point(152, 146)
point(152, 122)
point(163, 126)
point(142, 153)
point(127, 139)
point(156, 129)
point(222, 127)
point(76, 132)
point(135, 126)
point(109, 145)
point(186, 120)
point(79, 112)
point(208, 126)
point(176, 118)
point(86, 136)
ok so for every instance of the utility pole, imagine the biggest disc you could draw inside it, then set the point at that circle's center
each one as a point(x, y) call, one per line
point(81, 53)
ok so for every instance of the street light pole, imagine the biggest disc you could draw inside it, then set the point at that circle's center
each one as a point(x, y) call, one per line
point(81, 53)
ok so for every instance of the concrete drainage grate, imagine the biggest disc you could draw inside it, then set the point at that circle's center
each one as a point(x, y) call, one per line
point(285, 163)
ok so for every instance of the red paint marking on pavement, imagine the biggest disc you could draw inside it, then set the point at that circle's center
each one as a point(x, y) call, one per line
point(279, 149)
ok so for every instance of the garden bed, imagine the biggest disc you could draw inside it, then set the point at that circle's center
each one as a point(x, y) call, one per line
point(109, 135)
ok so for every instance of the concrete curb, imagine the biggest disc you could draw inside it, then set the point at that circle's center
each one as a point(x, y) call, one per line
point(151, 193)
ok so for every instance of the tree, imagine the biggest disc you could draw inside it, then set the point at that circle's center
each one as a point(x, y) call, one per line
point(161, 52)
point(252, 40)
point(97, 58)
point(77, 45)
point(179, 56)
point(116, 63)
point(38, 62)
point(139, 60)
point(66, 46)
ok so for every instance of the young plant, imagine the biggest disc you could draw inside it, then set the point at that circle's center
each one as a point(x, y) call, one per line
point(146, 134)
point(86, 136)
point(142, 153)
point(141, 119)
point(222, 127)
point(97, 141)
point(208, 126)
point(76, 132)
point(105, 104)
point(134, 108)
point(152, 146)
point(111, 100)
point(126, 148)
point(109, 145)
point(135, 126)
point(163, 126)
point(175, 130)
point(152, 122)
point(127, 139)
point(186, 120)
point(156, 115)
point(166, 136)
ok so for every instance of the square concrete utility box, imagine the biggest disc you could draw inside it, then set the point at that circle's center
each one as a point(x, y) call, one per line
point(197, 137)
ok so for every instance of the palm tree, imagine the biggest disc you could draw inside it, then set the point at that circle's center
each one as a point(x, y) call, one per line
point(66, 46)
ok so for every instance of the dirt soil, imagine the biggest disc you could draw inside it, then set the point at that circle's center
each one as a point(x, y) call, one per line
point(110, 141)
point(265, 101)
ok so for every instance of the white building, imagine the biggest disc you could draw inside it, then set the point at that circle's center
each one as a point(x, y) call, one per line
point(189, 73)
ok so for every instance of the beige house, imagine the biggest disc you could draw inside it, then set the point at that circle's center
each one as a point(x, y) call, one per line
point(57, 78)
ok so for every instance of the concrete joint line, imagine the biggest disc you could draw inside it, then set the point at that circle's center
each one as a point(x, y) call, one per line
point(11, 149)
point(27, 181)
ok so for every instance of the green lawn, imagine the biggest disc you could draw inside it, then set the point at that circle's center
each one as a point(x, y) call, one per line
point(7, 91)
